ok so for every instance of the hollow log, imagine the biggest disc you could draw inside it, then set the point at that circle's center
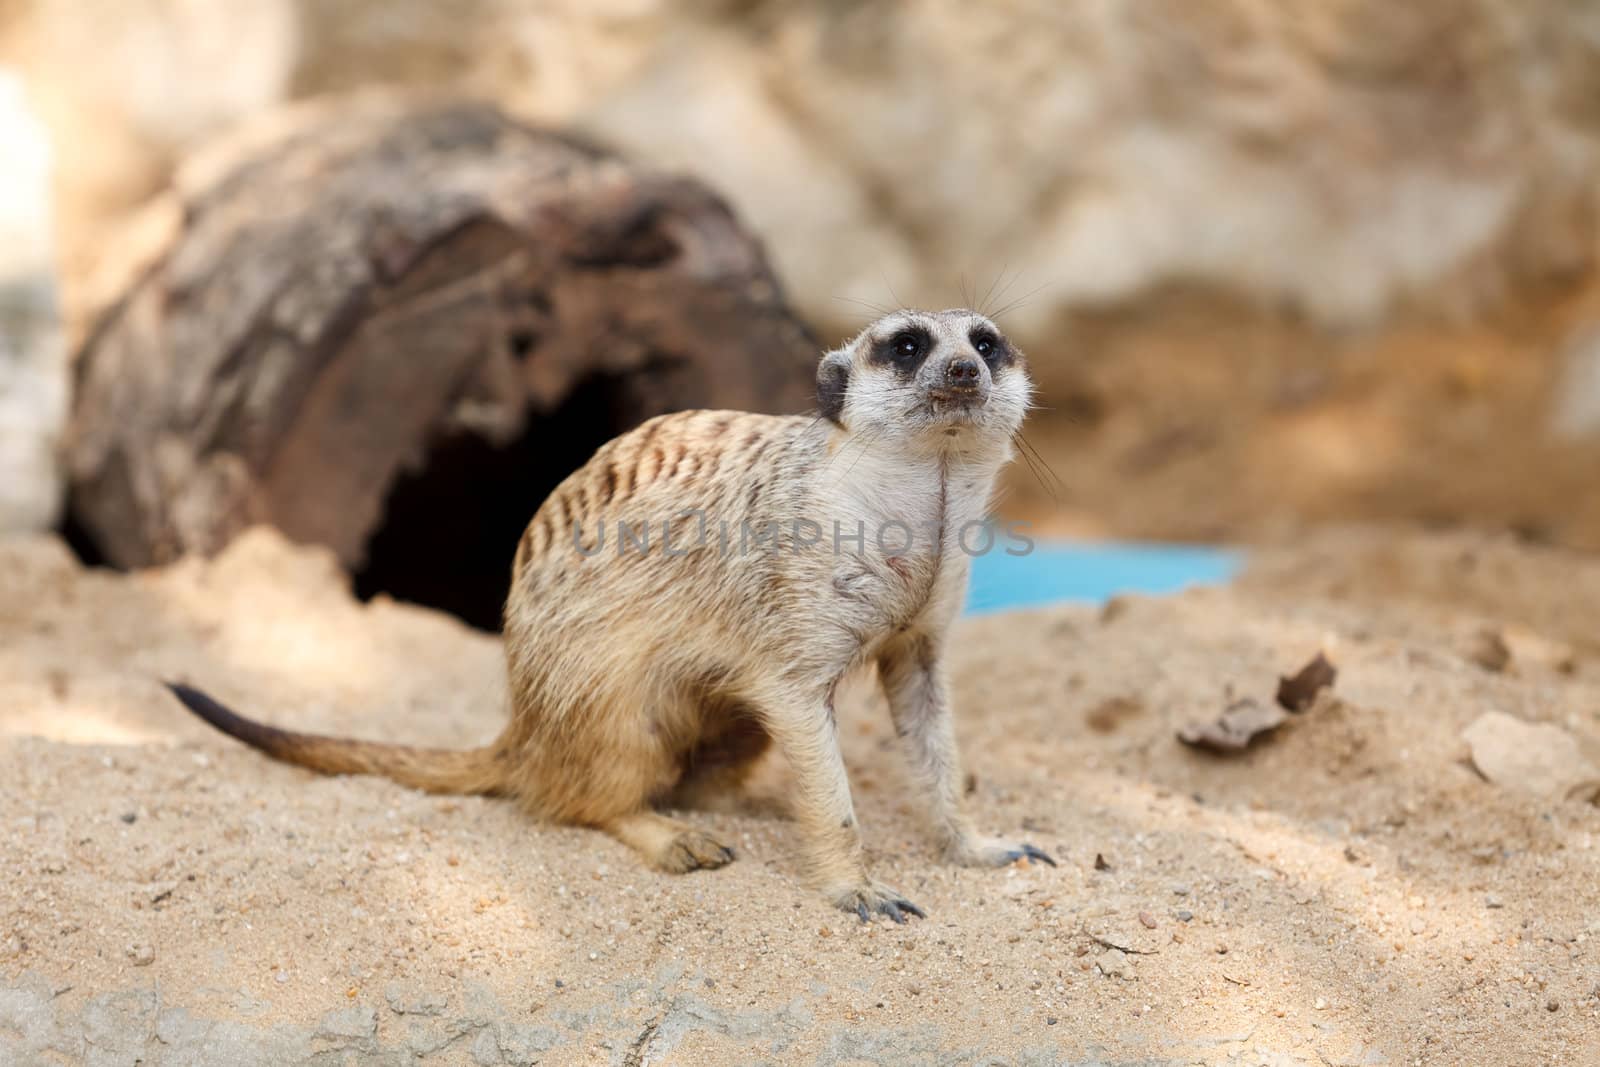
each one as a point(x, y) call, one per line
point(387, 314)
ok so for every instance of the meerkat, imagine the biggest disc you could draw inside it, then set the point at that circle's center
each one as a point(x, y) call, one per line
point(695, 593)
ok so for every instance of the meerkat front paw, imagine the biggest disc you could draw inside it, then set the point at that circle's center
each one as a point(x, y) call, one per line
point(992, 852)
point(873, 898)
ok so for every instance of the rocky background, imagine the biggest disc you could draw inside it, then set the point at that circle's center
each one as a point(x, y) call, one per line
point(1274, 264)
point(1280, 267)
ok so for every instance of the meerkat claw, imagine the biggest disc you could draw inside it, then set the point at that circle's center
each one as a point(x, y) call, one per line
point(1032, 853)
point(876, 900)
point(898, 910)
point(989, 852)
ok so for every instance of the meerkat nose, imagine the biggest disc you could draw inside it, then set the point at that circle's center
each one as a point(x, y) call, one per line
point(962, 373)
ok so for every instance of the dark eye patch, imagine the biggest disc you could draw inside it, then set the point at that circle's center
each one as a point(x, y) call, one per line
point(991, 347)
point(904, 351)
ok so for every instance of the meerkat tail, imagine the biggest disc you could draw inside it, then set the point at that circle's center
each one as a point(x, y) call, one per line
point(432, 770)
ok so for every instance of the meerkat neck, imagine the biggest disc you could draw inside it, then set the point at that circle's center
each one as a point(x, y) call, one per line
point(919, 482)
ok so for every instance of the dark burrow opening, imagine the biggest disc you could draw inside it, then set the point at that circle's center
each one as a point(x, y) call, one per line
point(80, 540)
point(449, 529)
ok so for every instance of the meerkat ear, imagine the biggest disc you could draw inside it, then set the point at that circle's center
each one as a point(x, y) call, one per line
point(833, 378)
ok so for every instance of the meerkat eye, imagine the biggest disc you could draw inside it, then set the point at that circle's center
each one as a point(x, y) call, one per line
point(907, 345)
point(984, 343)
point(903, 350)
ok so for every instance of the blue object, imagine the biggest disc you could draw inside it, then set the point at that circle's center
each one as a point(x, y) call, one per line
point(1086, 572)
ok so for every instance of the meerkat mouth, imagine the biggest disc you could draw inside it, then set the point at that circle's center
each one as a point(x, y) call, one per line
point(955, 407)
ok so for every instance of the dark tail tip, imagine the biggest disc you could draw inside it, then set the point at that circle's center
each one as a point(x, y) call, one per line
point(255, 734)
point(198, 702)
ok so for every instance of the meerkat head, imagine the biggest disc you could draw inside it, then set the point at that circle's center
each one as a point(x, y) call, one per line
point(930, 374)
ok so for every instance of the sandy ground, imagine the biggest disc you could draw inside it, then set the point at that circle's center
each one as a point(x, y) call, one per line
point(1351, 891)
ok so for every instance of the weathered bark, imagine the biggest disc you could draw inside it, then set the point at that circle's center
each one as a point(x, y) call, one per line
point(380, 280)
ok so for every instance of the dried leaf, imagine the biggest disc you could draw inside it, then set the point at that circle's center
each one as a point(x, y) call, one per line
point(1300, 692)
point(1242, 722)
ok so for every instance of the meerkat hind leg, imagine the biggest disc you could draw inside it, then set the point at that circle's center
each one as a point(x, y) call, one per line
point(668, 844)
point(716, 772)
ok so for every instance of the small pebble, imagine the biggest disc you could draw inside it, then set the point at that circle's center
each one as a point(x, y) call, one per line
point(129, 817)
point(1321, 1004)
point(1552, 1005)
point(1185, 915)
point(1417, 926)
point(1050, 1020)
point(141, 955)
point(1180, 890)
point(1490, 651)
point(1492, 901)
point(1147, 920)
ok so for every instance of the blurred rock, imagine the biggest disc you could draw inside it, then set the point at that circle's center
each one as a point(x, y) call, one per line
point(1336, 157)
point(392, 326)
point(1577, 401)
point(1188, 209)
point(129, 87)
point(1488, 649)
point(1535, 758)
point(33, 373)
